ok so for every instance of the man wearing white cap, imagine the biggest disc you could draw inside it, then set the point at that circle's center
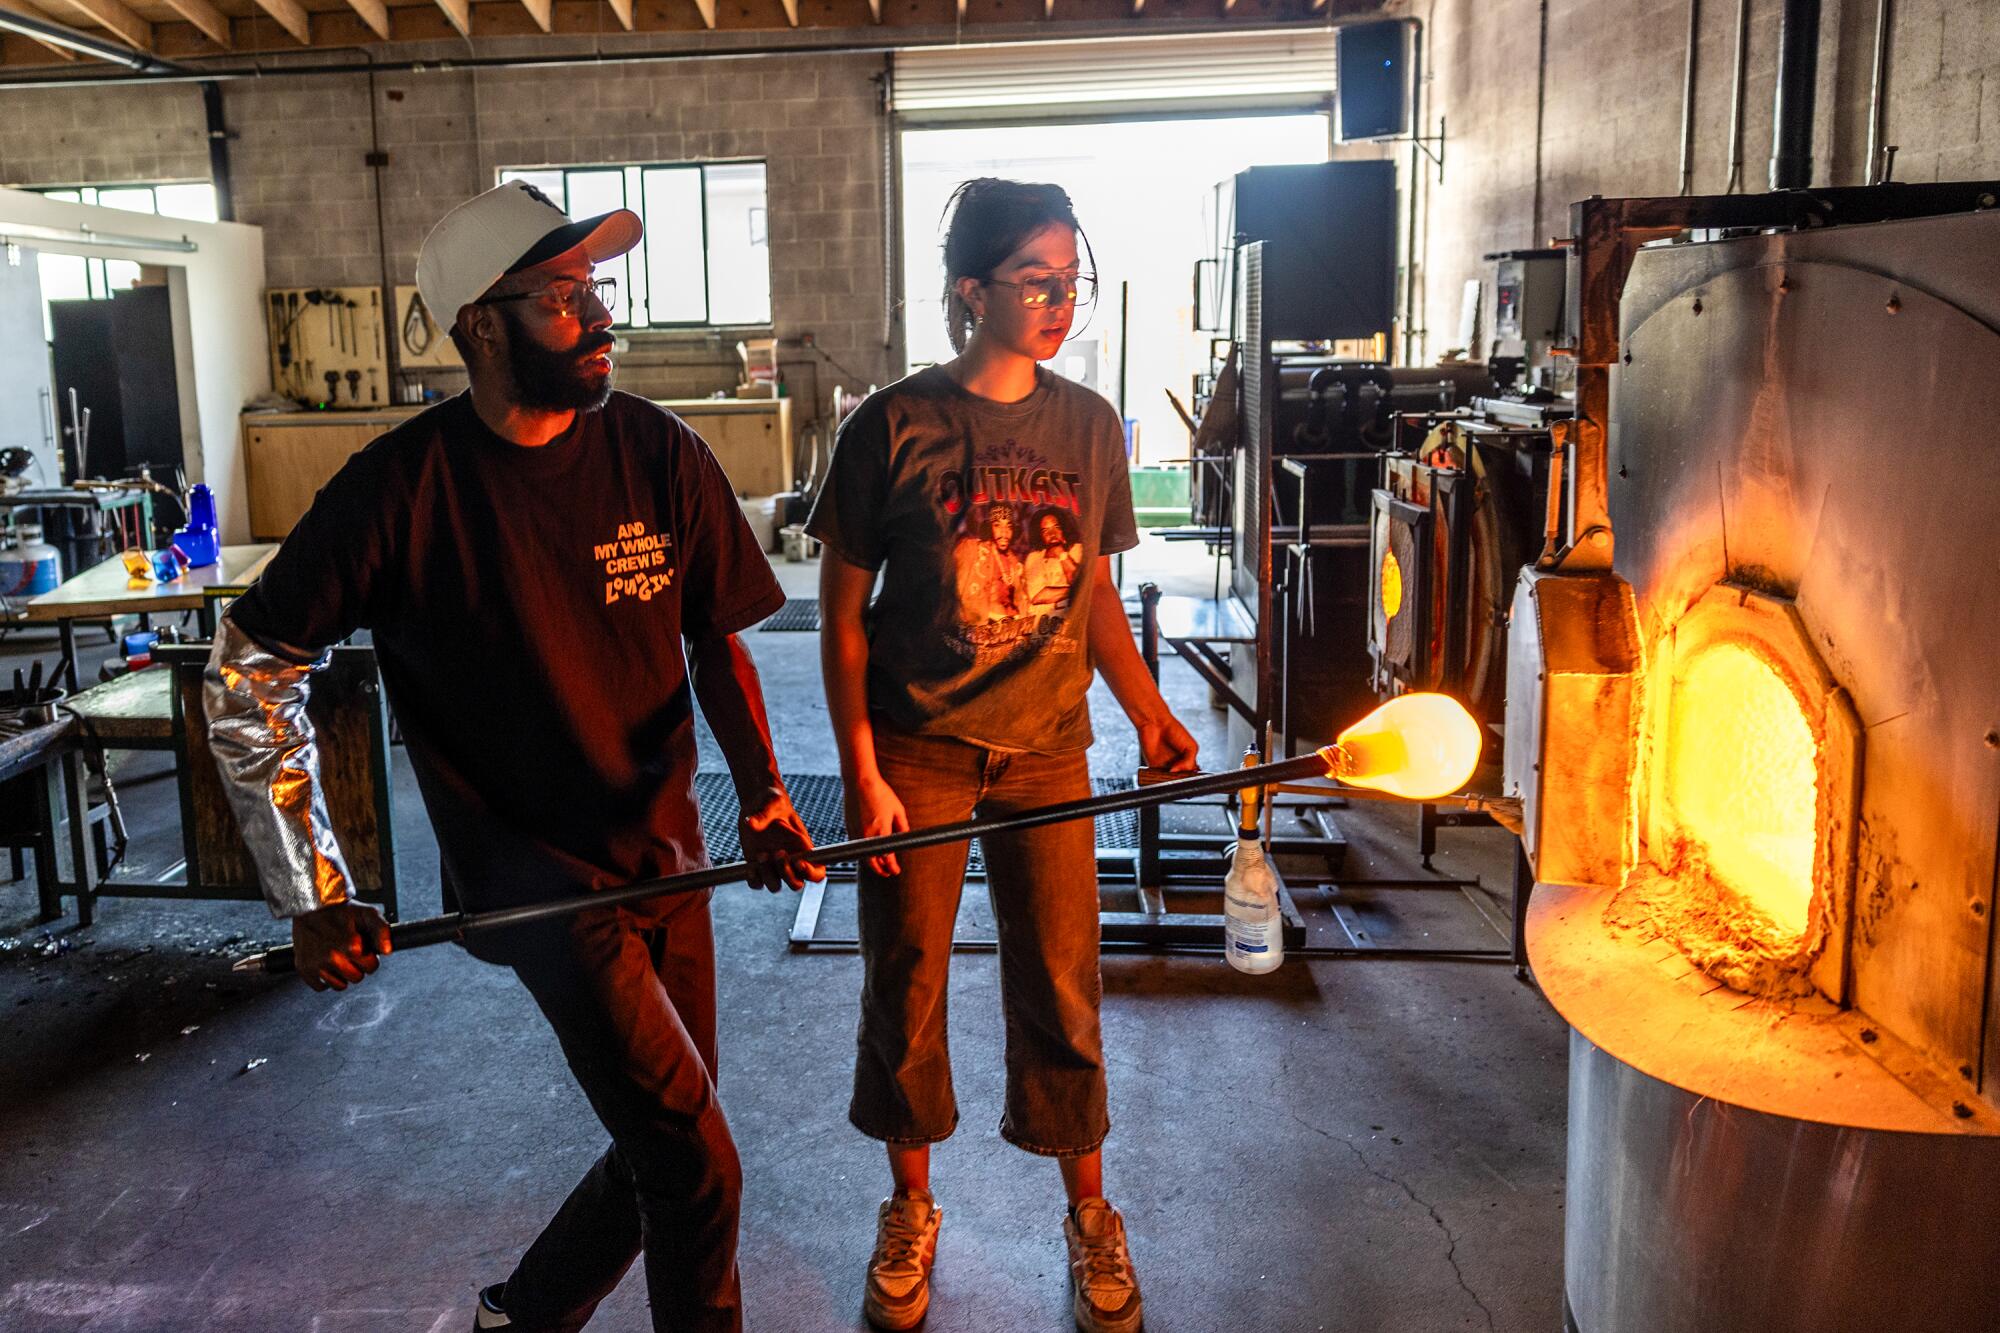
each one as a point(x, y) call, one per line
point(554, 575)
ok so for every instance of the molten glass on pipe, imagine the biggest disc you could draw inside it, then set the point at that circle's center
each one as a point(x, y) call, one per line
point(1417, 746)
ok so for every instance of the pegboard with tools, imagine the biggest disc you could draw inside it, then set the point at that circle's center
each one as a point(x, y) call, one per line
point(327, 347)
point(422, 343)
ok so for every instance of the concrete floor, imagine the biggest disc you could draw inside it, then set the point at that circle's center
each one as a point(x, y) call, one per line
point(1344, 1145)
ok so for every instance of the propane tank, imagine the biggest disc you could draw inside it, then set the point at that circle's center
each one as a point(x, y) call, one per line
point(29, 566)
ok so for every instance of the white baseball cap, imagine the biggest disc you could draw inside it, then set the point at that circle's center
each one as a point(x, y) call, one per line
point(511, 227)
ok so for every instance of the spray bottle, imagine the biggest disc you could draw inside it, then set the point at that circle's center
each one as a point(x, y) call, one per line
point(1253, 927)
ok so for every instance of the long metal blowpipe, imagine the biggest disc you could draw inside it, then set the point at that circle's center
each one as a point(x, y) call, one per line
point(1329, 761)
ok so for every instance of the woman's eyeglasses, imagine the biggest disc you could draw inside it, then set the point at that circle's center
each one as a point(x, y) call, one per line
point(564, 296)
point(1057, 289)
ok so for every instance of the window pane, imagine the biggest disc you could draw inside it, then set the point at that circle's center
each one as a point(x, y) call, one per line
point(549, 183)
point(632, 288)
point(63, 277)
point(592, 193)
point(739, 252)
point(67, 196)
point(138, 200)
point(194, 201)
point(674, 245)
point(120, 274)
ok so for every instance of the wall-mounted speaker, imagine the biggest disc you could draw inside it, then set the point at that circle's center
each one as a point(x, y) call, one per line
point(1370, 80)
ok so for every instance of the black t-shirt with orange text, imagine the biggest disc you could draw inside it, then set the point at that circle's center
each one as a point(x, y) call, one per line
point(528, 607)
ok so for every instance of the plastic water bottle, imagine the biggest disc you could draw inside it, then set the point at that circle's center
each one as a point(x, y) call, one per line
point(1253, 928)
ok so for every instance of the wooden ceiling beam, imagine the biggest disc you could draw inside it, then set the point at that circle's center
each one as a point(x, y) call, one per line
point(213, 23)
point(539, 11)
point(120, 20)
point(372, 12)
point(289, 15)
point(23, 54)
point(792, 11)
point(27, 10)
point(622, 9)
point(452, 20)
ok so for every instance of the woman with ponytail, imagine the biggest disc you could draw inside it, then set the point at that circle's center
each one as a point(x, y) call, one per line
point(988, 495)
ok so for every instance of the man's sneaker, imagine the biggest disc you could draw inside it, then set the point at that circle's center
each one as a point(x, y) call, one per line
point(1106, 1298)
point(899, 1276)
point(489, 1314)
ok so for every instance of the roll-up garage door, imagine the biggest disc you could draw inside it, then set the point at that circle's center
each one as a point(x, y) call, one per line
point(1125, 76)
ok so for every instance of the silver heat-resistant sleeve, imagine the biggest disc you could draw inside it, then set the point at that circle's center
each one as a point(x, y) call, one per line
point(264, 747)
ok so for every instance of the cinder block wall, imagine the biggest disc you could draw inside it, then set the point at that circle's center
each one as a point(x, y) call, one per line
point(299, 164)
point(1611, 114)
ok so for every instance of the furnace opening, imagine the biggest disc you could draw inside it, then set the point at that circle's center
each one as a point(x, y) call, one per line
point(1392, 585)
point(1742, 783)
point(1749, 754)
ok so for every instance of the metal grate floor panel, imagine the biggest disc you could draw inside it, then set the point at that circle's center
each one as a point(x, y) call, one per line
point(818, 799)
point(801, 613)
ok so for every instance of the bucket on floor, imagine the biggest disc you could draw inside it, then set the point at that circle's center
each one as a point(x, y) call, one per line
point(798, 546)
point(761, 513)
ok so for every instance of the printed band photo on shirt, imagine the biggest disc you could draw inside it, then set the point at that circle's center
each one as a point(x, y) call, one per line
point(1017, 553)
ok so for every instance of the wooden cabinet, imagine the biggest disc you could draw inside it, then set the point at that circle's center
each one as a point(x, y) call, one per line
point(287, 457)
point(751, 437)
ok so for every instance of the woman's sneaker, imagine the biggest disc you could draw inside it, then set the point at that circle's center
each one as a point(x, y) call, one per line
point(1106, 1298)
point(899, 1276)
point(488, 1313)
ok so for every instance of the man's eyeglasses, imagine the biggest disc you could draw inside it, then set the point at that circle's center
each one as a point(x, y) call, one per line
point(564, 296)
point(1056, 289)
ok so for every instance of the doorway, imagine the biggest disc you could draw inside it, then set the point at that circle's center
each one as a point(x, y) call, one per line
point(1145, 193)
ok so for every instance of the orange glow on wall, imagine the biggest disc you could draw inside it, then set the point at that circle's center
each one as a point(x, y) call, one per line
point(1392, 586)
point(1742, 777)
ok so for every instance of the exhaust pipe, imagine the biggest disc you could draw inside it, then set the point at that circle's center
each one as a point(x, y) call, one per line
point(1798, 77)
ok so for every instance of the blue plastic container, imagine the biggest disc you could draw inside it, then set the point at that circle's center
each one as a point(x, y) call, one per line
point(197, 541)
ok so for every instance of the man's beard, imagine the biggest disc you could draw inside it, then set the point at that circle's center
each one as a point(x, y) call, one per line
point(552, 381)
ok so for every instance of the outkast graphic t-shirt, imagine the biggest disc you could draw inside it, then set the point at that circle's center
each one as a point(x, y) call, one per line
point(986, 520)
point(529, 607)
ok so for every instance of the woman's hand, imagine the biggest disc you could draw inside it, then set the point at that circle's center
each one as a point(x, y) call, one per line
point(1165, 743)
point(874, 809)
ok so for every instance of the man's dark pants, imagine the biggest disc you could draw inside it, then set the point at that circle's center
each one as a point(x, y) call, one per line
point(632, 1000)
